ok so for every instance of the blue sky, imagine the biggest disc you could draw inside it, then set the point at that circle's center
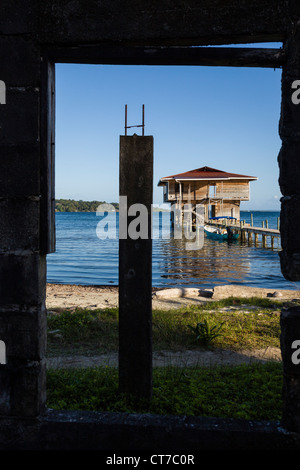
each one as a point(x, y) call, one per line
point(226, 118)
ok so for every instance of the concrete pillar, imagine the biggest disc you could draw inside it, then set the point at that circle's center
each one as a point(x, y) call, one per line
point(290, 349)
point(135, 269)
point(288, 160)
point(22, 266)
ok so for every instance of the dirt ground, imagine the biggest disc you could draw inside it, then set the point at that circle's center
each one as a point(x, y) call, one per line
point(178, 358)
point(92, 297)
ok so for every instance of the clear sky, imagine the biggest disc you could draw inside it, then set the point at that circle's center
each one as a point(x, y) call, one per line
point(223, 117)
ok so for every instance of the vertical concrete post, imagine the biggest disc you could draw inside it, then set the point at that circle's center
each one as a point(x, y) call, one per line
point(289, 177)
point(22, 263)
point(290, 349)
point(135, 266)
point(288, 159)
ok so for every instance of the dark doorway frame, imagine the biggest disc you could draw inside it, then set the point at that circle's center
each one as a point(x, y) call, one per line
point(41, 34)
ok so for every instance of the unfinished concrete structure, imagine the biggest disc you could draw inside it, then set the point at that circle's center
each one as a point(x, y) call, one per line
point(33, 36)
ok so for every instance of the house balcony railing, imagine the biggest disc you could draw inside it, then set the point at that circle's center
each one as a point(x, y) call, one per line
point(243, 196)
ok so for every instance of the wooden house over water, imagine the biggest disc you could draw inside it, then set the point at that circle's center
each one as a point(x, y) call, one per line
point(220, 192)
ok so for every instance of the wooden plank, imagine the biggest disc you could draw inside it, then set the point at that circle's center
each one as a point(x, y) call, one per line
point(250, 229)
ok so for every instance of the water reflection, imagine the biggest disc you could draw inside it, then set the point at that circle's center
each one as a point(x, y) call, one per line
point(82, 258)
point(216, 262)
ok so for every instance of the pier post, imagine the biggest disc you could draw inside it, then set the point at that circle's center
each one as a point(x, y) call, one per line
point(135, 267)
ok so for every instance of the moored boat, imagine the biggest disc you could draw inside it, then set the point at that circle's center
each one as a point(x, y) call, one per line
point(220, 233)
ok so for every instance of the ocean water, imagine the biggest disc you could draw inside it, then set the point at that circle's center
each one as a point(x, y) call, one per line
point(83, 257)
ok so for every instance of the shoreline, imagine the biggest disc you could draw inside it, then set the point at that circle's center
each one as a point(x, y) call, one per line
point(73, 296)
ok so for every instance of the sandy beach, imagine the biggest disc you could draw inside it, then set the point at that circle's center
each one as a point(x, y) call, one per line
point(93, 297)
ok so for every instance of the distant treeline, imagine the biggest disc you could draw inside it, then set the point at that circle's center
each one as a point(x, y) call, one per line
point(69, 205)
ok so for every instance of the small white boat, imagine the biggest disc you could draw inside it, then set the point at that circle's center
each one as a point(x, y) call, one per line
point(220, 233)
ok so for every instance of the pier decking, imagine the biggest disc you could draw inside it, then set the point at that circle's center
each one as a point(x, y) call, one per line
point(253, 234)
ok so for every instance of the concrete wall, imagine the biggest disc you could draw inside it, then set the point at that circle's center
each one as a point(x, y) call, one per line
point(33, 35)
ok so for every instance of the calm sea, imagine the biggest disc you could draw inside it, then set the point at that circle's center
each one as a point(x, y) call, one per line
point(82, 257)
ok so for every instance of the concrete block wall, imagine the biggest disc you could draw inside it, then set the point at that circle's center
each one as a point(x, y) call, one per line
point(22, 266)
point(289, 177)
point(289, 130)
point(28, 31)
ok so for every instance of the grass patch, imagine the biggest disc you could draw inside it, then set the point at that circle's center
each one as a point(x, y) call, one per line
point(246, 324)
point(248, 392)
point(244, 391)
point(82, 331)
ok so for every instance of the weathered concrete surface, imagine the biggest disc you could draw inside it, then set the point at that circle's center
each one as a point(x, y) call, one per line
point(135, 266)
point(290, 232)
point(290, 345)
point(162, 21)
point(288, 158)
point(12, 215)
point(22, 64)
point(22, 266)
point(157, 22)
point(137, 432)
point(25, 133)
point(20, 171)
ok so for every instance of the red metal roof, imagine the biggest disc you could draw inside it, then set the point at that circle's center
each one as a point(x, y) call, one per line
point(207, 173)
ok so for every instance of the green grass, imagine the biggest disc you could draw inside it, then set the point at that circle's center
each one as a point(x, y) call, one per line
point(244, 391)
point(82, 331)
point(248, 325)
point(248, 392)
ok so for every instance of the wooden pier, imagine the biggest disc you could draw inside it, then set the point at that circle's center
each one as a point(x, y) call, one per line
point(253, 234)
point(265, 234)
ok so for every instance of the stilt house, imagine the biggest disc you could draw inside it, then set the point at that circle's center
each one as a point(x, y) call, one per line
point(220, 192)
